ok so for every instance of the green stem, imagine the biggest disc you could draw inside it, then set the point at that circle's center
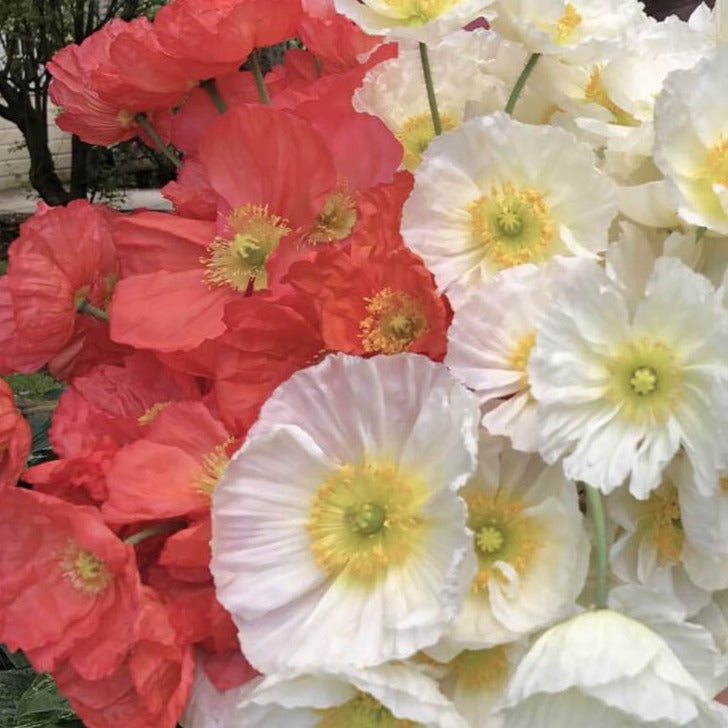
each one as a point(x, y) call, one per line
point(214, 93)
point(143, 122)
point(431, 98)
point(258, 76)
point(85, 307)
point(596, 510)
point(149, 532)
point(521, 82)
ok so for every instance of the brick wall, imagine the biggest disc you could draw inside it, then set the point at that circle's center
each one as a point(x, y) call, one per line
point(14, 162)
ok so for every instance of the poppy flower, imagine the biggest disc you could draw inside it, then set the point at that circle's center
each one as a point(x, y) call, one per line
point(220, 35)
point(116, 403)
point(171, 471)
point(15, 437)
point(87, 108)
point(62, 265)
point(69, 588)
point(386, 303)
point(149, 688)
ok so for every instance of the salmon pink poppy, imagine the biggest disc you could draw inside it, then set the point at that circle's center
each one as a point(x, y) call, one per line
point(149, 688)
point(116, 403)
point(220, 34)
point(15, 437)
point(62, 266)
point(172, 470)
point(69, 588)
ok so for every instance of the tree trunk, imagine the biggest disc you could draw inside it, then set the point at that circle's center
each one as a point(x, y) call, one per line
point(42, 173)
point(79, 168)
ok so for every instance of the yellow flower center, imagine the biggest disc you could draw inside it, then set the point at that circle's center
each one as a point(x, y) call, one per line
point(646, 380)
point(152, 413)
point(412, 12)
point(211, 468)
point(596, 92)
point(336, 220)
point(395, 320)
point(480, 670)
point(568, 22)
point(716, 166)
point(416, 133)
point(364, 519)
point(362, 711)
point(663, 524)
point(512, 225)
point(237, 261)
point(126, 119)
point(86, 572)
point(520, 355)
point(501, 533)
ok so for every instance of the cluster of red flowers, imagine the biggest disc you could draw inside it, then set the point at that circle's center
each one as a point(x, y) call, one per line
point(171, 330)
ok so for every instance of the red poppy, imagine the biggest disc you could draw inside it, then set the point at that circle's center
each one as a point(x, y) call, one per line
point(63, 261)
point(171, 471)
point(80, 479)
point(333, 38)
point(69, 588)
point(149, 689)
point(384, 303)
point(270, 338)
point(87, 109)
point(116, 403)
point(191, 193)
point(227, 670)
point(219, 35)
point(15, 437)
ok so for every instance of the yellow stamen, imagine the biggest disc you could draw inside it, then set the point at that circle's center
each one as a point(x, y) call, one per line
point(512, 225)
point(86, 572)
point(152, 412)
point(365, 519)
point(336, 220)
point(596, 92)
point(520, 355)
point(416, 12)
point(480, 670)
point(362, 711)
point(237, 260)
point(416, 133)
point(395, 320)
point(664, 525)
point(716, 165)
point(568, 22)
point(212, 467)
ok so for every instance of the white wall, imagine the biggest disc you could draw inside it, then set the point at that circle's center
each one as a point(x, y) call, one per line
point(14, 162)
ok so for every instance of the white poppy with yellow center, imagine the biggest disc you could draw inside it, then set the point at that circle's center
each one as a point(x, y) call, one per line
point(338, 536)
point(691, 141)
point(496, 193)
point(422, 20)
point(388, 696)
point(530, 544)
point(579, 31)
point(604, 669)
point(490, 342)
point(622, 385)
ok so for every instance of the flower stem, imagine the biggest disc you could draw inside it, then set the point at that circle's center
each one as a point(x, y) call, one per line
point(521, 82)
point(160, 528)
point(431, 98)
point(85, 307)
point(214, 93)
point(258, 76)
point(596, 510)
point(143, 122)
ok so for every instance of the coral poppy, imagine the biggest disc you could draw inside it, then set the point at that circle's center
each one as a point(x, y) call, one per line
point(386, 303)
point(149, 688)
point(15, 437)
point(116, 403)
point(61, 267)
point(69, 588)
point(172, 470)
point(220, 35)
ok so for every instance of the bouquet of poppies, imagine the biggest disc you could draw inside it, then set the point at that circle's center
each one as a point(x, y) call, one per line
point(414, 411)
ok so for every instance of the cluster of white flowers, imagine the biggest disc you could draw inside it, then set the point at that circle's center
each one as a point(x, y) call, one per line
point(408, 543)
